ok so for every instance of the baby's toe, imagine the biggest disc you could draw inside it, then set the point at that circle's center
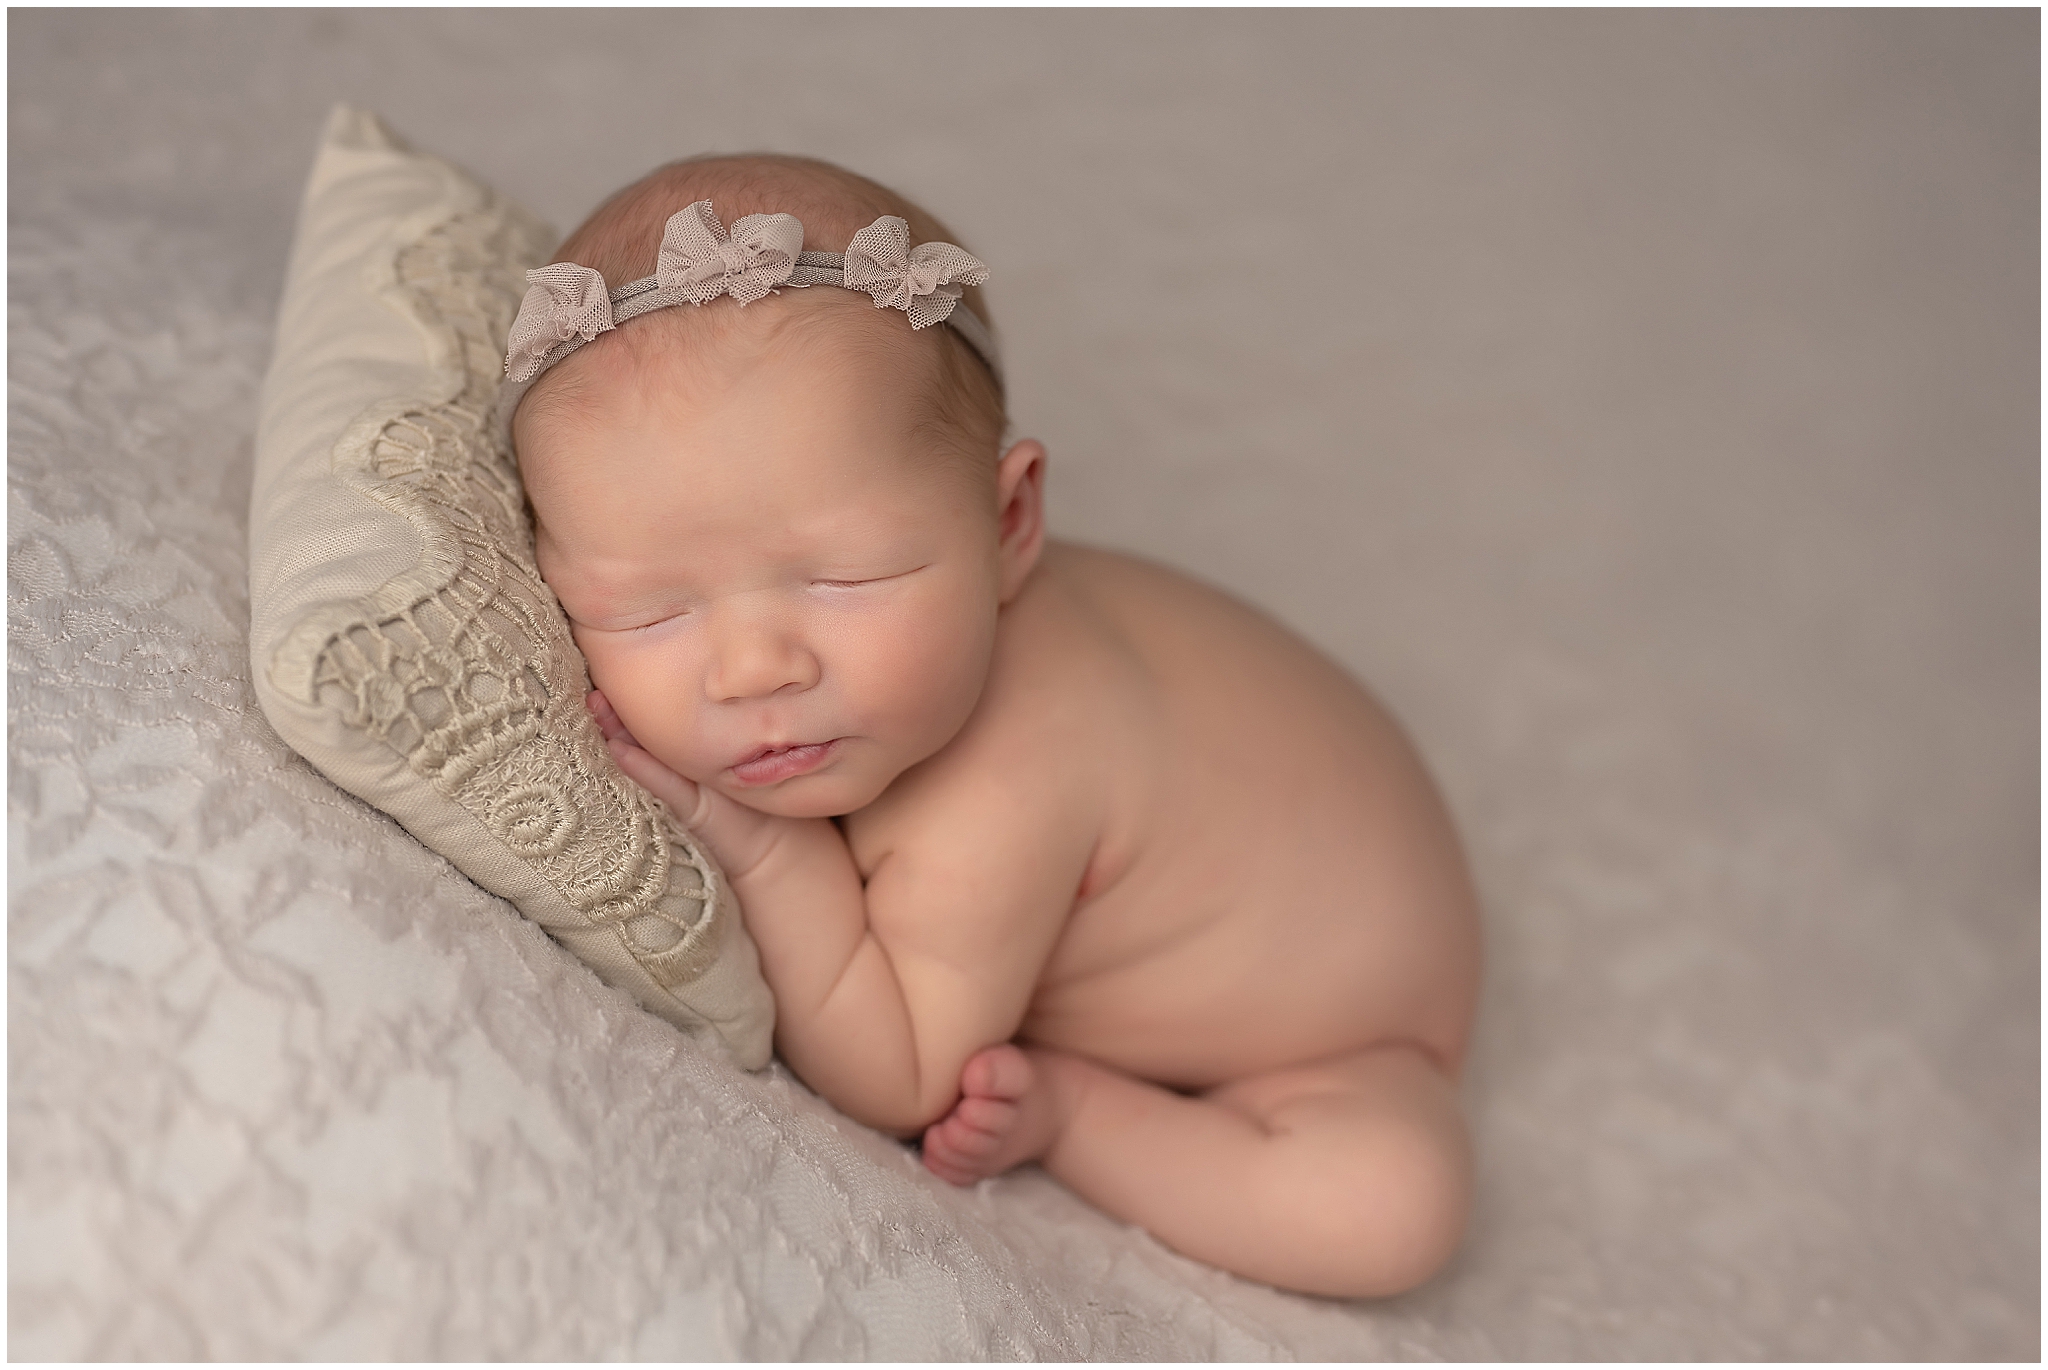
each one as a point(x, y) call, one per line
point(1003, 1072)
point(955, 1154)
point(985, 1115)
point(964, 1142)
point(947, 1169)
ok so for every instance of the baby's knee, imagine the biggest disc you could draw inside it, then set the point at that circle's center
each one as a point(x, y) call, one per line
point(1426, 1194)
point(1396, 1217)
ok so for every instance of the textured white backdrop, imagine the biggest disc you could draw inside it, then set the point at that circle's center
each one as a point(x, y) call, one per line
point(1644, 403)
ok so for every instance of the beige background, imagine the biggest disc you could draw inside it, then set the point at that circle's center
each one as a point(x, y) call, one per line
point(1645, 404)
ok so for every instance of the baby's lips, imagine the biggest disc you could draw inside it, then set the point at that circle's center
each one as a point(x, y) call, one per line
point(780, 761)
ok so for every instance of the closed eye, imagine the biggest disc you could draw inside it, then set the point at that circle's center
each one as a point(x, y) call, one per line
point(870, 580)
point(650, 624)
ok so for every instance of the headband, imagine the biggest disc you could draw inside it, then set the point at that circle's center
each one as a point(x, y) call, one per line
point(566, 305)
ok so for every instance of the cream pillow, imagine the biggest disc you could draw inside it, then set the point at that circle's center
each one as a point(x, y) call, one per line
point(401, 638)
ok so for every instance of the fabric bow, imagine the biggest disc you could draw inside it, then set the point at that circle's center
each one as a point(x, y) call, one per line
point(699, 262)
point(562, 301)
point(924, 282)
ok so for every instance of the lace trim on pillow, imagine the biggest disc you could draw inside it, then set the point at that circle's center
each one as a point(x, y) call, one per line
point(466, 667)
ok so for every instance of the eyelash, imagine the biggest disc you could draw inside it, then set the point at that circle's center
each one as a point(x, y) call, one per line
point(646, 627)
point(871, 580)
point(831, 584)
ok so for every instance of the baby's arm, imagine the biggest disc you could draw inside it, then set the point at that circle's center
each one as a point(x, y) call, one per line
point(884, 988)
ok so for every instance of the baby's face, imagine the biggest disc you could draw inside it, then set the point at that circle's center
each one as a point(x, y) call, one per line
point(781, 596)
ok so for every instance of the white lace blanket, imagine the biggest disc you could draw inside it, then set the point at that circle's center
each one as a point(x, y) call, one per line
point(1697, 543)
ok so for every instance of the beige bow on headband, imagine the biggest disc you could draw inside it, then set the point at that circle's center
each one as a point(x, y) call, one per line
point(698, 262)
point(923, 281)
point(563, 301)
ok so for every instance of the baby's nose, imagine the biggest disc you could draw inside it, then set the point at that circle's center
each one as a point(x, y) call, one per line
point(757, 659)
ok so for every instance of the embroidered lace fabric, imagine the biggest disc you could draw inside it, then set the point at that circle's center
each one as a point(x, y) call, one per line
point(476, 682)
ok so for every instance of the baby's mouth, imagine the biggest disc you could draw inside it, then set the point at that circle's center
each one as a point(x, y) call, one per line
point(773, 763)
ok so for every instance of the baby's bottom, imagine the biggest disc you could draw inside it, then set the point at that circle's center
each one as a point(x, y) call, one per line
point(1348, 1177)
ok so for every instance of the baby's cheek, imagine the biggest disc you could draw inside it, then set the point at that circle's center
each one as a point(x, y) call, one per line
point(641, 694)
point(933, 670)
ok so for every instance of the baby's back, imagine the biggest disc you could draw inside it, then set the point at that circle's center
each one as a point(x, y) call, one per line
point(1276, 880)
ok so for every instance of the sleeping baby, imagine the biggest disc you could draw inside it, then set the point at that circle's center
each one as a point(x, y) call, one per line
point(1050, 854)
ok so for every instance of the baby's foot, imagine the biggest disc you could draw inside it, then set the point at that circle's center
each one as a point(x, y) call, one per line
point(1005, 1117)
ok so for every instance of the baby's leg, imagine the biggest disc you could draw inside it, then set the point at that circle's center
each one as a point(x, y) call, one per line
point(1349, 1177)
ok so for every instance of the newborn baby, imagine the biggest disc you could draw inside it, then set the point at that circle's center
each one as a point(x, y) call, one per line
point(1051, 854)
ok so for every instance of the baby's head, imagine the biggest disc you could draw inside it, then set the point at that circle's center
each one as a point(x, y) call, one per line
point(784, 527)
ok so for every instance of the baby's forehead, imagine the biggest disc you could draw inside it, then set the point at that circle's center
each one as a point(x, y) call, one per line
point(819, 392)
point(828, 331)
point(803, 407)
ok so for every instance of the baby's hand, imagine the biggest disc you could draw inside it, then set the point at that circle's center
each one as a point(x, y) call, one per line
point(737, 835)
point(609, 723)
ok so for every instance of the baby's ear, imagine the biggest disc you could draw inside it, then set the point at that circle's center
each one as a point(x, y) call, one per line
point(1020, 513)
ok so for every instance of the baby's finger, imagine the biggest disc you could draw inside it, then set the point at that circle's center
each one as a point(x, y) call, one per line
point(658, 780)
point(608, 720)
